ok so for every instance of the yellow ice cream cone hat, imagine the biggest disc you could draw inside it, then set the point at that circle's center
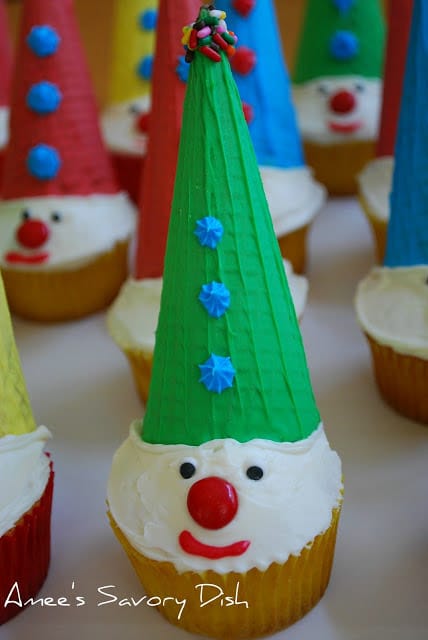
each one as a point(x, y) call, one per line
point(133, 45)
point(16, 416)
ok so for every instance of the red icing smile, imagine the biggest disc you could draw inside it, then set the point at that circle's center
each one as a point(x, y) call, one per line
point(15, 257)
point(189, 544)
point(341, 127)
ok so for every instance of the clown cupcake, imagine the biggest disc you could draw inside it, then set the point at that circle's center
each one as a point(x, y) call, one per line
point(64, 224)
point(26, 482)
point(260, 72)
point(193, 492)
point(337, 88)
point(376, 178)
point(392, 301)
point(125, 119)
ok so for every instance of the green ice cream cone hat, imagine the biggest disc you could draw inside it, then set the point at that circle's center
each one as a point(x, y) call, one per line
point(16, 416)
point(229, 360)
point(341, 38)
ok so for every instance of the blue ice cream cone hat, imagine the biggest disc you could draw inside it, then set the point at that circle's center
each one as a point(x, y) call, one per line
point(407, 240)
point(261, 74)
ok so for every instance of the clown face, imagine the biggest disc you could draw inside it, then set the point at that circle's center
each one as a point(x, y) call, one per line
point(47, 233)
point(125, 126)
point(334, 110)
point(224, 505)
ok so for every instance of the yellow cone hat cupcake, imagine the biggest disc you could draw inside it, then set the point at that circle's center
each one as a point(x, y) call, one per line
point(26, 481)
point(125, 119)
point(193, 492)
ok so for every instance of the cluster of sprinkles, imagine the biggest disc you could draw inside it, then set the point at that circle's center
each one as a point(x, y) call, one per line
point(209, 35)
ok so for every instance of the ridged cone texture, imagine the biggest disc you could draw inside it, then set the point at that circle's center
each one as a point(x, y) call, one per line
point(16, 416)
point(168, 92)
point(399, 20)
point(407, 237)
point(5, 56)
point(131, 43)
point(217, 175)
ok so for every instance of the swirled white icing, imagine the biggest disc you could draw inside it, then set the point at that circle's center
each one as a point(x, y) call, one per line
point(24, 473)
point(89, 226)
point(315, 117)
point(294, 197)
point(118, 125)
point(279, 515)
point(132, 319)
point(375, 185)
point(4, 126)
point(392, 307)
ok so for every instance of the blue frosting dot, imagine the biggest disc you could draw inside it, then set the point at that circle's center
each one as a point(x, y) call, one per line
point(145, 67)
point(217, 373)
point(148, 19)
point(344, 45)
point(44, 98)
point(43, 162)
point(216, 298)
point(343, 5)
point(43, 41)
point(209, 231)
point(182, 69)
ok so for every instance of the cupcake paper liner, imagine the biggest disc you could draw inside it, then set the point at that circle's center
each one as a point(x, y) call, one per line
point(25, 554)
point(141, 367)
point(51, 296)
point(378, 227)
point(293, 248)
point(276, 598)
point(337, 165)
point(402, 380)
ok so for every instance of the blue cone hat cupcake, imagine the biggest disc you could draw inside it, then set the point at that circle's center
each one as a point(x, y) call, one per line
point(392, 301)
point(261, 74)
point(193, 491)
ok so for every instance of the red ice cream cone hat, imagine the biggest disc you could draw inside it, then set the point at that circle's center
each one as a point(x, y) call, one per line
point(5, 56)
point(400, 15)
point(168, 89)
point(55, 144)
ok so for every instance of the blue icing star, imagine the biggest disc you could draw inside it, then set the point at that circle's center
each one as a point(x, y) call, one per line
point(216, 298)
point(182, 69)
point(43, 41)
point(217, 373)
point(43, 162)
point(148, 19)
point(145, 67)
point(344, 45)
point(44, 98)
point(209, 231)
point(343, 5)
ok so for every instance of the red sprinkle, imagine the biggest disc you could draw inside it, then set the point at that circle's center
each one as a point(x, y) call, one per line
point(220, 41)
point(210, 53)
point(193, 40)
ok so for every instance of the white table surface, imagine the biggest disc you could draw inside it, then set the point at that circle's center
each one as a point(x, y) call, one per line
point(82, 390)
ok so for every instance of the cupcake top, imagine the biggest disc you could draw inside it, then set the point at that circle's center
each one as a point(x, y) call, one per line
point(375, 185)
point(338, 69)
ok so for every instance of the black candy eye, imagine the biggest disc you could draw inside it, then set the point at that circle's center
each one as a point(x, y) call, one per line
point(26, 215)
point(323, 89)
point(255, 473)
point(134, 110)
point(359, 87)
point(56, 216)
point(187, 469)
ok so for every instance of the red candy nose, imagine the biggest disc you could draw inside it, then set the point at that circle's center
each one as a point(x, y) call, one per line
point(212, 502)
point(32, 234)
point(342, 102)
point(142, 122)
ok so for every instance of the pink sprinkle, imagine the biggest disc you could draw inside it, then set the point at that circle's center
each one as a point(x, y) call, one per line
point(221, 28)
point(203, 33)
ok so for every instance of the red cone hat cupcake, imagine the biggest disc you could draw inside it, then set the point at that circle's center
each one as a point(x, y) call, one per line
point(65, 220)
point(6, 64)
point(376, 178)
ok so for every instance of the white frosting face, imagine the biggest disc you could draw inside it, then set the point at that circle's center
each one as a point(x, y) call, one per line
point(294, 197)
point(277, 515)
point(392, 307)
point(375, 184)
point(321, 124)
point(133, 317)
point(87, 227)
point(4, 126)
point(24, 474)
point(119, 126)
